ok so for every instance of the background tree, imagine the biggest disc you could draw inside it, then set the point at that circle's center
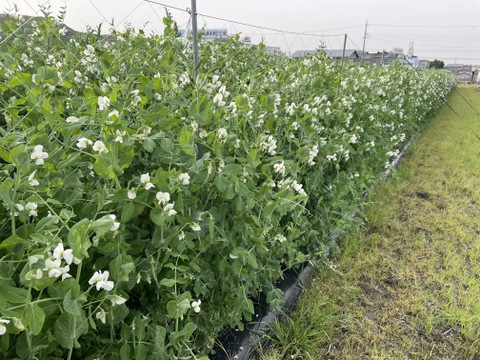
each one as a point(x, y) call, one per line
point(437, 64)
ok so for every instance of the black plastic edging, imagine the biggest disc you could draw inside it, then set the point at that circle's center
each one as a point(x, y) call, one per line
point(243, 346)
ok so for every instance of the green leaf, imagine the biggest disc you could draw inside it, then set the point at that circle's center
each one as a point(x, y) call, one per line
point(46, 223)
point(47, 74)
point(140, 352)
point(124, 156)
point(34, 318)
point(125, 351)
point(12, 242)
point(68, 328)
point(159, 343)
point(71, 305)
point(140, 329)
point(103, 225)
point(78, 238)
point(188, 330)
point(186, 141)
point(221, 183)
point(149, 145)
point(238, 252)
point(131, 210)
point(6, 190)
point(157, 215)
point(14, 295)
point(168, 282)
point(105, 167)
point(233, 170)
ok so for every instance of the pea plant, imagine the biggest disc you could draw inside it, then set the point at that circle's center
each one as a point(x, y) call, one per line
point(143, 210)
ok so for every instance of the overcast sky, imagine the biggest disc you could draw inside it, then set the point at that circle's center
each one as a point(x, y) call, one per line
point(443, 29)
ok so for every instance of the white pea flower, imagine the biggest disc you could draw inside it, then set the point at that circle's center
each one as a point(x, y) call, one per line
point(83, 143)
point(279, 168)
point(184, 178)
point(37, 274)
point(163, 197)
point(3, 328)
point(222, 134)
point(53, 267)
point(202, 134)
point(169, 210)
point(196, 305)
point(38, 155)
point(60, 253)
point(115, 224)
point(103, 103)
point(120, 135)
point(132, 193)
point(31, 179)
point(195, 227)
point(218, 99)
point(72, 119)
point(100, 147)
point(117, 300)
point(17, 323)
point(101, 315)
point(181, 236)
point(114, 113)
point(64, 272)
point(145, 180)
point(100, 280)
point(31, 208)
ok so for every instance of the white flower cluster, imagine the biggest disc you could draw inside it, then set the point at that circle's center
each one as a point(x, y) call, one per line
point(90, 59)
point(100, 280)
point(222, 134)
point(29, 207)
point(97, 146)
point(215, 84)
point(279, 168)
point(145, 181)
point(163, 198)
point(38, 155)
point(57, 265)
point(290, 109)
point(312, 155)
point(219, 98)
point(269, 144)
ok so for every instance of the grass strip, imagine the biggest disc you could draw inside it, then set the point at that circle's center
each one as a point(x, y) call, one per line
point(407, 284)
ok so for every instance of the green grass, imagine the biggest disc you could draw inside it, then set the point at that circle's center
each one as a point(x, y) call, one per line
point(406, 285)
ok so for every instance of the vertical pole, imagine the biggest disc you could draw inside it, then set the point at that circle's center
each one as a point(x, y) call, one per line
point(383, 53)
point(195, 38)
point(344, 48)
point(195, 63)
point(364, 40)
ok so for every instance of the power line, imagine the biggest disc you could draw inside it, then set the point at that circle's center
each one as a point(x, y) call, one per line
point(187, 10)
point(239, 22)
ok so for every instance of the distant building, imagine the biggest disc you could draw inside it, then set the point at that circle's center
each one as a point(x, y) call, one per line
point(415, 63)
point(274, 50)
point(351, 55)
point(463, 73)
point(382, 57)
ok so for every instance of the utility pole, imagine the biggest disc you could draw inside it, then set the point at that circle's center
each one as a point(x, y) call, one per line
point(195, 38)
point(344, 48)
point(364, 39)
point(383, 54)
